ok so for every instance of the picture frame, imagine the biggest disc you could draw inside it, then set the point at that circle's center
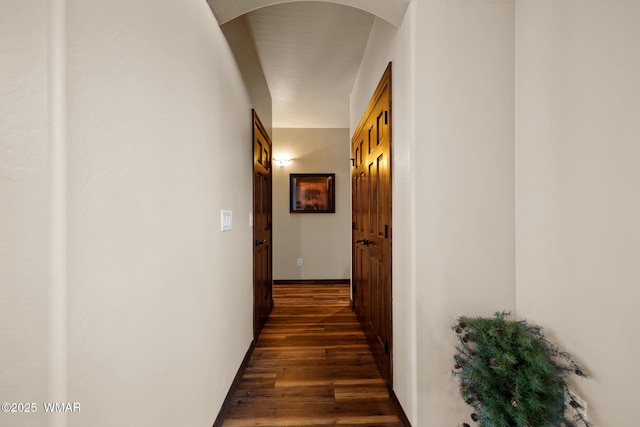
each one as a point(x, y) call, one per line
point(312, 193)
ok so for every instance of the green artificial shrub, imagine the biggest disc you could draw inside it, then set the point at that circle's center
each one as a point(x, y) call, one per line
point(513, 376)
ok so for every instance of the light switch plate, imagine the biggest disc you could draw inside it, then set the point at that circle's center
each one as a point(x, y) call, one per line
point(226, 220)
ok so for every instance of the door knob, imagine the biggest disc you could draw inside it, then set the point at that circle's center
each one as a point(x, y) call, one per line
point(363, 241)
point(261, 242)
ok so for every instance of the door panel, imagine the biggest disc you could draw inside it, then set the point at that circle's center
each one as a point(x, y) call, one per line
point(371, 204)
point(262, 250)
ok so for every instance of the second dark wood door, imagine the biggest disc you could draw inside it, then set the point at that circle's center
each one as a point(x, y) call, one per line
point(262, 250)
point(371, 192)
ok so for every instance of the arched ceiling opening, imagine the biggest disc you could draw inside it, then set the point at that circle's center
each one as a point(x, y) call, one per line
point(310, 52)
point(391, 11)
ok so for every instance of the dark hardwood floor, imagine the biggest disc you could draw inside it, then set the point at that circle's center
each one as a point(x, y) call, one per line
point(311, 366)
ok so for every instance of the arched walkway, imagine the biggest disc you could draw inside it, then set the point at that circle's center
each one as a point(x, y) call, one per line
point(389, 10)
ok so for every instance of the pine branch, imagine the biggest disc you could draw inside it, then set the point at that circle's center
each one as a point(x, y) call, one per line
point(511, 374)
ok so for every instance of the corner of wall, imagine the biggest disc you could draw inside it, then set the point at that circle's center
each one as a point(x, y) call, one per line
point(241, 43)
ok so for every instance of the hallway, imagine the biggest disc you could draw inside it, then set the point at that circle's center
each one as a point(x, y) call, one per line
point(312, 366)
point(125, 139)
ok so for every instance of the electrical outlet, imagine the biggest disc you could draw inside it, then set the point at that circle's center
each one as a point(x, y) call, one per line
point(299, 262)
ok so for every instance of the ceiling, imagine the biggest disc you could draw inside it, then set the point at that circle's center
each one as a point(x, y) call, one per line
point(310, 52)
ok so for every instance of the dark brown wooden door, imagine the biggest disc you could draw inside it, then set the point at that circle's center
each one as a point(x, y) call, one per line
point(371, 204)
point(262, 250)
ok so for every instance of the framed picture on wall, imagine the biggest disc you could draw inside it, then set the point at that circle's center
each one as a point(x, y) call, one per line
point(312, 193)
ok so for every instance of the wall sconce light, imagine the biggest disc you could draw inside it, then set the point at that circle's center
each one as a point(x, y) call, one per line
point(282, 162)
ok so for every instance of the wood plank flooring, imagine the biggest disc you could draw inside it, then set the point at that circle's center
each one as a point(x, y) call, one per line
point(312, 367)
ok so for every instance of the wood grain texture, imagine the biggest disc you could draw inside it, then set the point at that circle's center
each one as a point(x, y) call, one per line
point(312, 366)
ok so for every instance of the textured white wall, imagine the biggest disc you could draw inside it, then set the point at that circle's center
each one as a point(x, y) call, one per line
point(465, 237)
point(454, 178)
point(24, 207)
point(388, 43)
point(578, 150)
point(323, 241)
point(577, 93)
point(160, 300)
point(237, 34)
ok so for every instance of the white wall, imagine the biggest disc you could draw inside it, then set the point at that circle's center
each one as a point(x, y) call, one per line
point(388, 43)
point(464, 178)
point(160, 305)
point(453, 213)
point(323, 241)
point(158, 301)
point(24, 207)
point(237, 34)
point(578, 204)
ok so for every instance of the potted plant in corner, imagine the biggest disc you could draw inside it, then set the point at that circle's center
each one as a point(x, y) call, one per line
point(513, 376)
